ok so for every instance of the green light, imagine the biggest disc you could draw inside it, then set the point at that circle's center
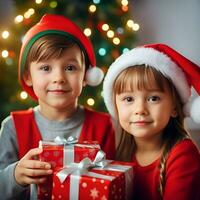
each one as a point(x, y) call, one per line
point(53, 4)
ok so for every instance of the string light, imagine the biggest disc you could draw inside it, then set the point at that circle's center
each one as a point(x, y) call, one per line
point(27, 15)
point(116, 41)
point(102, 51)
point(19, 19)
point(130, 23)
point(120, 30)
point(105, 27)
point(4, 53)
point(9, 61)
point(110, 34)
point(5, 34)
point(38, 1)
point(23, 95)
point(87, 32)
point(92, 8)
point(136, 27)
point(125, 50)
point(31, 11)
point(90, 102)
point(124, 2)
point(125, 8)
point(53, 4)
point(96, 1)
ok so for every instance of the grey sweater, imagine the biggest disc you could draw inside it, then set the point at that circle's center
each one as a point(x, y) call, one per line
point(9, 188)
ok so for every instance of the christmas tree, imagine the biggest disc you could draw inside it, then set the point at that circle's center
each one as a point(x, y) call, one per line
point(107, 23)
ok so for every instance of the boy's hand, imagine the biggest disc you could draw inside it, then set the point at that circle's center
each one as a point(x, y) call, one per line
point(29, 171)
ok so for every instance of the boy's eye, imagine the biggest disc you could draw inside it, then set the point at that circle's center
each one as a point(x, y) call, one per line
point(154, 98)
point(70, 68)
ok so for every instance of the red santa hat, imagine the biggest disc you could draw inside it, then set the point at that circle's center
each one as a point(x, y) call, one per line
point(183, 73)
point(60, 25)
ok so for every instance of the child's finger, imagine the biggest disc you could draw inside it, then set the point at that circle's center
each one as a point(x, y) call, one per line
point(37, 173)
point(33, 180)
point(32, 153)
point(35, 164)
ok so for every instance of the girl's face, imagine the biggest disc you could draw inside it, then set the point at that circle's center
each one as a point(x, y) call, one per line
point(58, 82)
point(144, 112)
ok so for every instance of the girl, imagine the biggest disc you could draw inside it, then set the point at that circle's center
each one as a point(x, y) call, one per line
point(145, 90)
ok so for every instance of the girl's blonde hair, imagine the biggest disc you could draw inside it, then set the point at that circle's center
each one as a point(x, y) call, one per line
point(145, 77)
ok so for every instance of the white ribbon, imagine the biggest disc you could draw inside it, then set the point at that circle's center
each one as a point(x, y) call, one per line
point(69, 145)
point(76, 170)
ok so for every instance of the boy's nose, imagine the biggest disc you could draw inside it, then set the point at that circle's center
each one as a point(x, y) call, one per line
point(59, 77)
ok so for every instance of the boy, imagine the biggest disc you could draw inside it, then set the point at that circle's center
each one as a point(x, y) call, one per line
point(56, 62)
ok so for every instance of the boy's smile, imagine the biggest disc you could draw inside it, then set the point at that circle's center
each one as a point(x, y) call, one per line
point(58, 82)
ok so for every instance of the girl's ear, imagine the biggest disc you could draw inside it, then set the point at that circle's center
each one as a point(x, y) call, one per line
point(174, 113)
point(27, 78)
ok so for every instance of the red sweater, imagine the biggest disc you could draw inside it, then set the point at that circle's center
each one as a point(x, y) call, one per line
point(182, 181)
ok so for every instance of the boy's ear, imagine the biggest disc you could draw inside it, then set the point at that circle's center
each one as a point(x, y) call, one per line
point(84, 82)
point(27, 78)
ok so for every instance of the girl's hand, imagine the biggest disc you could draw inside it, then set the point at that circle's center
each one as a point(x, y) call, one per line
point(29, 171)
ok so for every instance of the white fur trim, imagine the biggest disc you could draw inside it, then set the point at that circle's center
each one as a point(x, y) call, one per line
point(147, 56)
point(94, 76)
point(194, 110)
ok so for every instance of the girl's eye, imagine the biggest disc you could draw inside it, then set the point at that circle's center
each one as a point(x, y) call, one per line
point(154, 98)
point(70, 68)
point(45, 68)
point(128, 99)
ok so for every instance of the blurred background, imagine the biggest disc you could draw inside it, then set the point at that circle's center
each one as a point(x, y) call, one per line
point(114, 26)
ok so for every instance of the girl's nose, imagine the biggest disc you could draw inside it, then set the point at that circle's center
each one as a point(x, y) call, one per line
point(140, 108)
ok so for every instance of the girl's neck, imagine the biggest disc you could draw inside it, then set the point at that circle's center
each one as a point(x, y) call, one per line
point(149, 150)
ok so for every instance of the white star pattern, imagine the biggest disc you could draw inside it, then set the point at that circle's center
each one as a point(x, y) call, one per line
point(102, 181)
point(94, 193)
point(103, 197)
point(84, 185)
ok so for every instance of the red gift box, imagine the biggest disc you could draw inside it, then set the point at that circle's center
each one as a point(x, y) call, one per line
point(59, 155)
point(113, 182)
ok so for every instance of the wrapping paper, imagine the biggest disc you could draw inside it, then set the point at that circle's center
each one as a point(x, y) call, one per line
point(113, 181)
point(60, 154)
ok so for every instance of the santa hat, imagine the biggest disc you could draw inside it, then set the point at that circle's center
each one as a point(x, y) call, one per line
point(60, 25)
point(183, 73)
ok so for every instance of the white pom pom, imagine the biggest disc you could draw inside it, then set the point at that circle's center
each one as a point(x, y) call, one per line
point(195, 110)
point(94, 76)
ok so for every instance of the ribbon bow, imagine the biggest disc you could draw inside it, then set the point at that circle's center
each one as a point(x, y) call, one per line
point(69, 140)
point(82, 167)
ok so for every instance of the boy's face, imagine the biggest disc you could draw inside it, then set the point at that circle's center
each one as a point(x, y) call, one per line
point(58, 82)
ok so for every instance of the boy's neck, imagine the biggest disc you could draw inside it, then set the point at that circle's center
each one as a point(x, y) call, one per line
point(57, 114)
